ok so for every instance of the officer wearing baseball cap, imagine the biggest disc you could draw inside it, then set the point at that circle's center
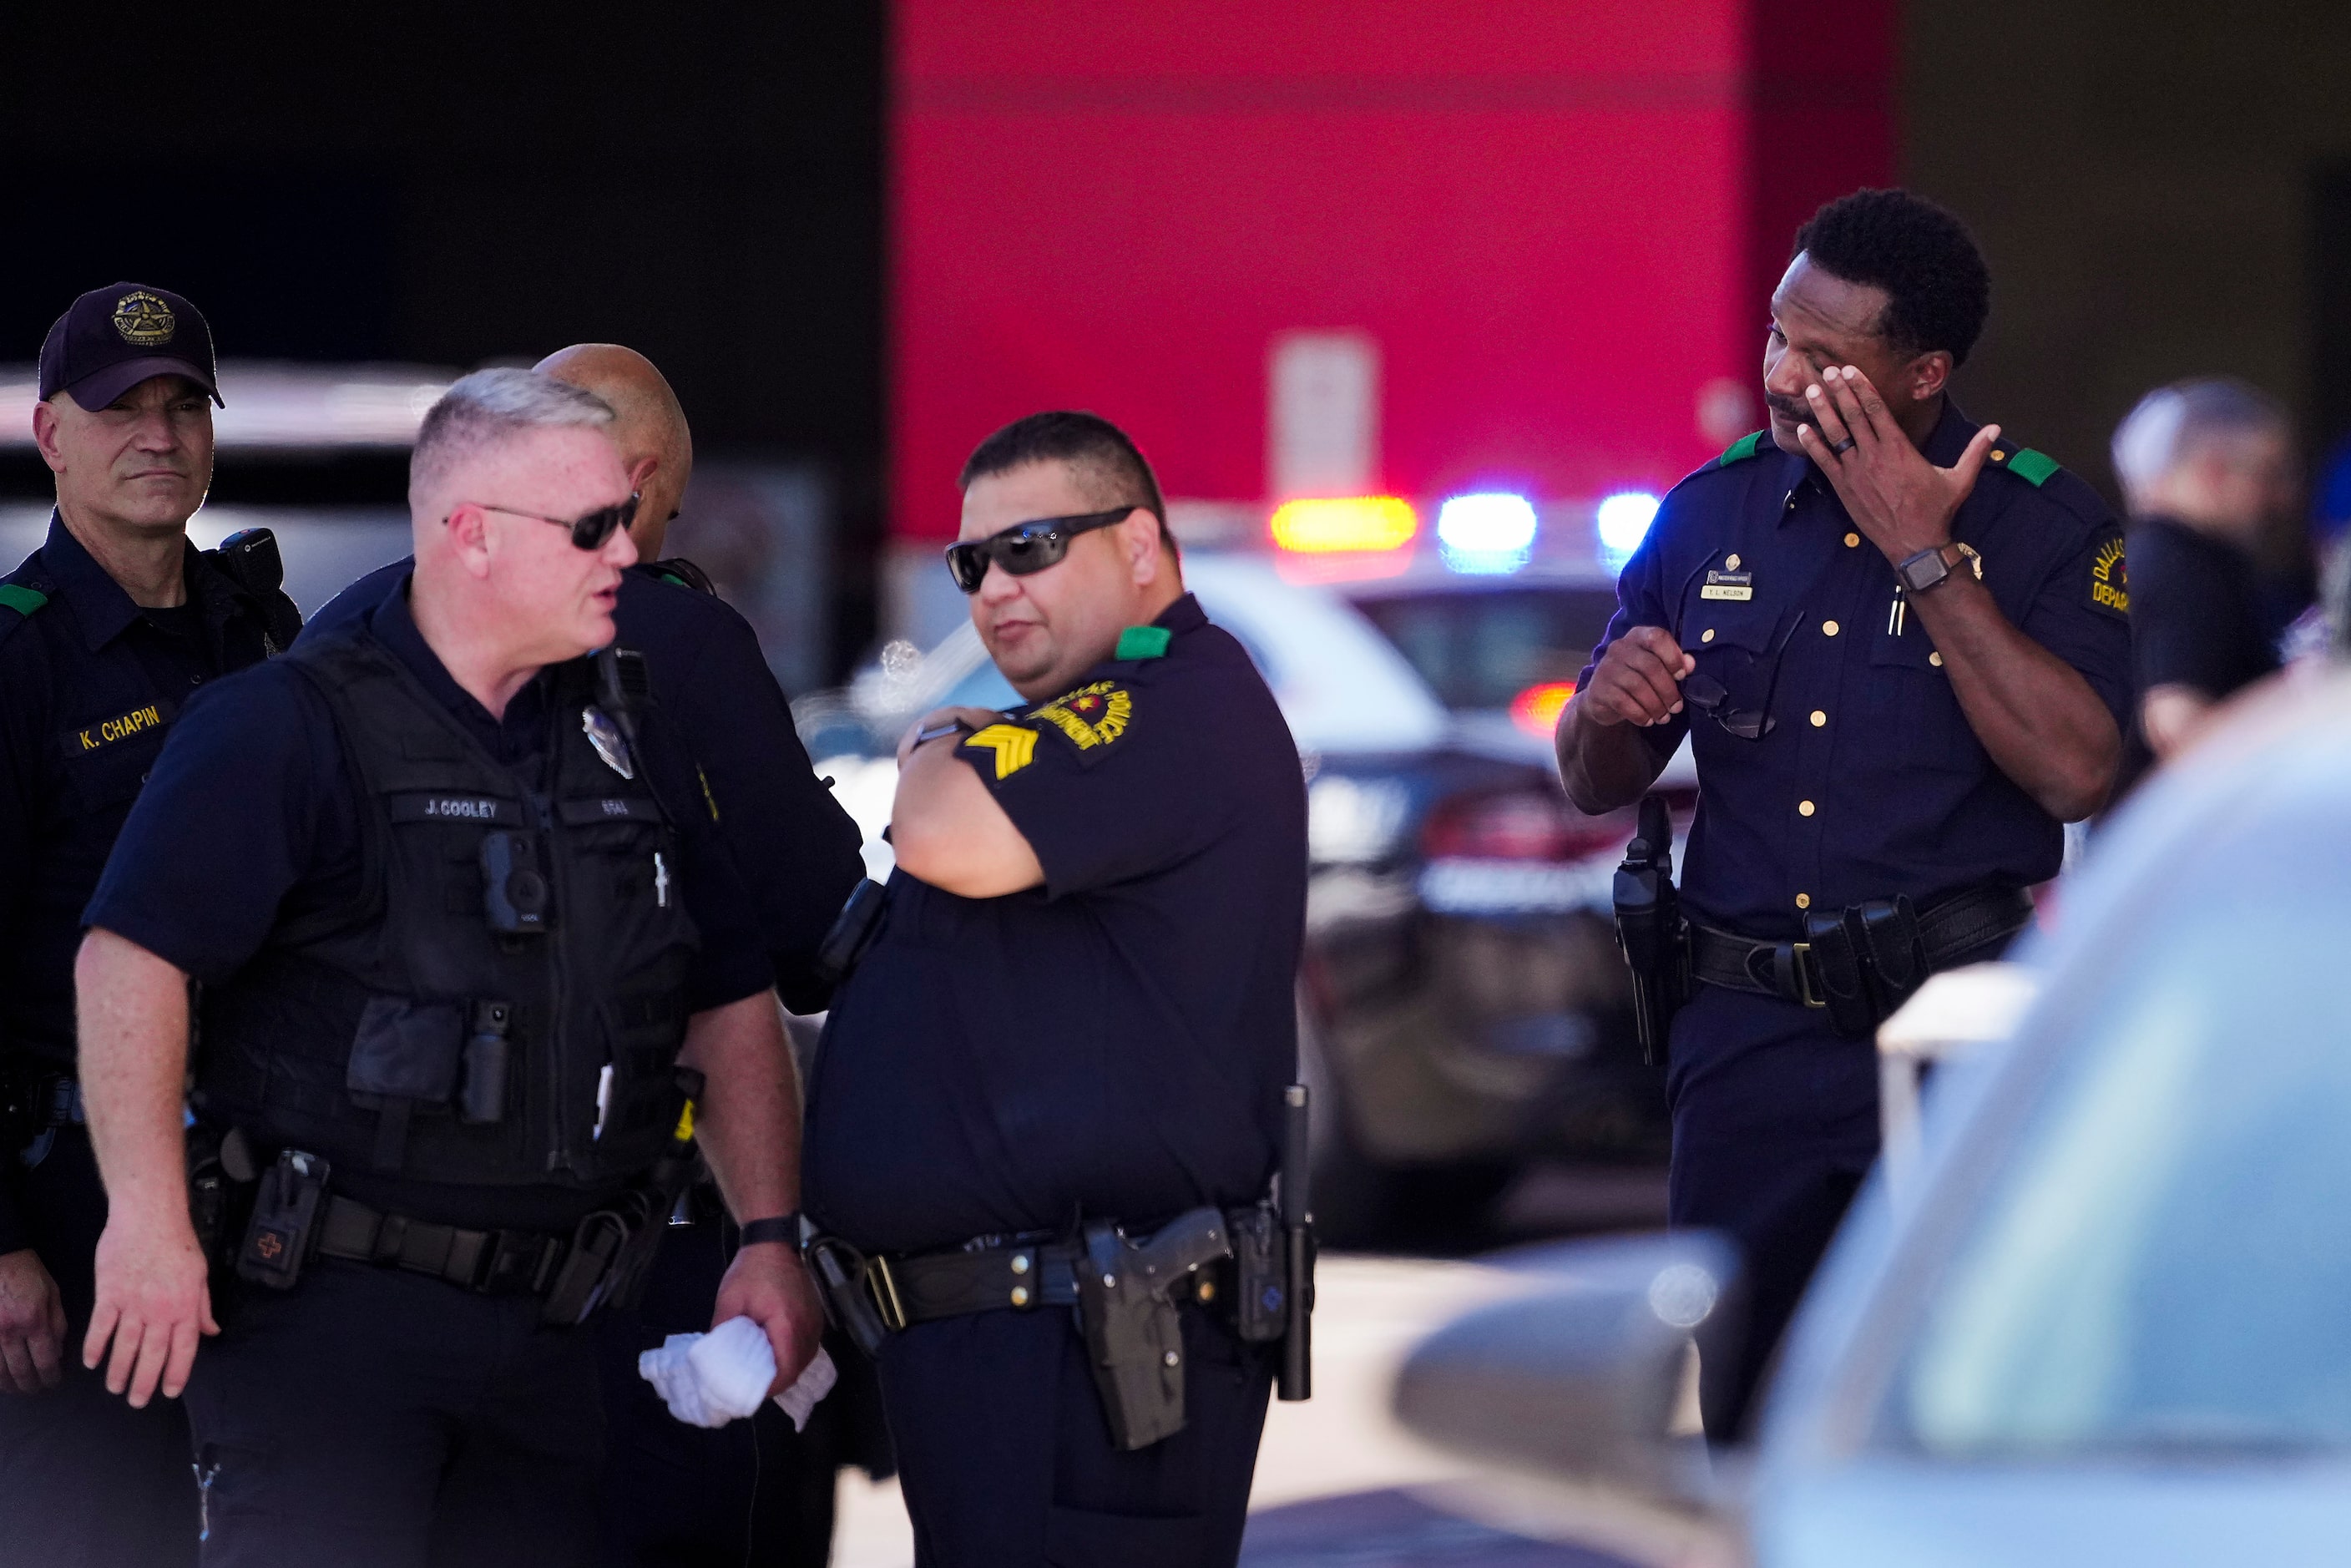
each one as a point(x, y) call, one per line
point(105, 630)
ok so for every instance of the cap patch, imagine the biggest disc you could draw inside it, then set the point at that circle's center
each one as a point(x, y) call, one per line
point(2110, 578)
point(144, 320)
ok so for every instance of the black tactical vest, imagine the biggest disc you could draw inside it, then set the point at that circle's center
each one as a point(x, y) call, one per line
point(504, 1001)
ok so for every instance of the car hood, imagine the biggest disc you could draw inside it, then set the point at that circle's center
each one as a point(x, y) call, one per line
point(2279, 1514)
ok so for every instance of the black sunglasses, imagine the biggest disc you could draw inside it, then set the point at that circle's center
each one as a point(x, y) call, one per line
point(1709, 697)
point(589, 532)
point(1026, 547)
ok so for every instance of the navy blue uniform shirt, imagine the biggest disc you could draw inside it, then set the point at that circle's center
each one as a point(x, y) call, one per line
point(1869, 780)
point(1115, 1041)
point(89, 685)
point(798, 849)
point(252, 817)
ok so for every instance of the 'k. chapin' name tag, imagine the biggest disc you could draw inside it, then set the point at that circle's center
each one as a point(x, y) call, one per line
point(1728, 585)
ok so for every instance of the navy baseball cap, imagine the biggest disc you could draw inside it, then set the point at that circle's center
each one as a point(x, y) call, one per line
point(110, 339)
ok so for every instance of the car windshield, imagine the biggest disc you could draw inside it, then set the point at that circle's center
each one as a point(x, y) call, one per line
point(2164, 1265)
point(1480, 648)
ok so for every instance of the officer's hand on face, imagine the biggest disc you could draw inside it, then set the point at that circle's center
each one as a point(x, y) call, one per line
point(32, 1325)
point(941, 722)
point(767, 1284)
point(1639, 680)
point(1902, 501)
point(153, 1302)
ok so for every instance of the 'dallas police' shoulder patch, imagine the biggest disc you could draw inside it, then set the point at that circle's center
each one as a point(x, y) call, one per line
point(2109, 582)
point(1092, 718)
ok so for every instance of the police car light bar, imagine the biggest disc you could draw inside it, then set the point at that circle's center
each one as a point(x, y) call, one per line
point(1623, 521)
point(1357, 523)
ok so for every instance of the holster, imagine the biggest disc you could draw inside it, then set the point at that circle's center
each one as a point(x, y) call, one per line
point(1868, 959)
point(845, 1281)
point(1134, 1335)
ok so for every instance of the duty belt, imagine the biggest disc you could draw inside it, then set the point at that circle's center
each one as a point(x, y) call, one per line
point(493, 1262)
point(1860, 963)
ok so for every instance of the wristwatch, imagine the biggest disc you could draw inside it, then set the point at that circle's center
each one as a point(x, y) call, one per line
point(1928, 567)
point(783, 1228)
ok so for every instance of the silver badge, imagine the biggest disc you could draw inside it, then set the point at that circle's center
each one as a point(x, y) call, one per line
point(605, 737)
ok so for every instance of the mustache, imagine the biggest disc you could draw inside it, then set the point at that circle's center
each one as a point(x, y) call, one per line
point(1791, 409)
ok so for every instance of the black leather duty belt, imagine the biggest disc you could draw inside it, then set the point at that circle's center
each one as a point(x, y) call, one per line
point(494, 1262)
point(1021, 1275)
point(1947, 930)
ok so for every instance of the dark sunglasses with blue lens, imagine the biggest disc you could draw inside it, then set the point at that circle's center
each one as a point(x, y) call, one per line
point(1026, 547)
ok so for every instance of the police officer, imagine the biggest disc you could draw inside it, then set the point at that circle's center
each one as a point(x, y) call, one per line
point(672, 1491)
point(457, 926)
point(106, 630)
point(1898, 644)
point(1079, 1009)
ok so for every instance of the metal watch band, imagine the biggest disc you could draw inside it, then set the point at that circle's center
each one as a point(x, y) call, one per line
point(783, 1228)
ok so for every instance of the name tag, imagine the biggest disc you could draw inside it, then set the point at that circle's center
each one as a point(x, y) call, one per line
point(137, 721)
point(435, 807)
point(1728, 585)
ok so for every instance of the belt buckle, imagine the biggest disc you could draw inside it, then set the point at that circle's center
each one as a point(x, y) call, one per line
point(882, 1287)
point(1797, 953)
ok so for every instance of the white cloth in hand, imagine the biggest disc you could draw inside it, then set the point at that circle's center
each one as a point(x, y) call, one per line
point(710, 1379)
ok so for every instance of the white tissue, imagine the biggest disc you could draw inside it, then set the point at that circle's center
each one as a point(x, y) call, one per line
point(710, 1379)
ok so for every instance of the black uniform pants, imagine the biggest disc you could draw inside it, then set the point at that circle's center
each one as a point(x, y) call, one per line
point(1004, 1457)
point(377, 1418)
point(752, 1492)
point(1775, 1123)
point(86, 1481)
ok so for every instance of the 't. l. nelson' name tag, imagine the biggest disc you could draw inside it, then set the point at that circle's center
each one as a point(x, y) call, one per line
point(1728, 585)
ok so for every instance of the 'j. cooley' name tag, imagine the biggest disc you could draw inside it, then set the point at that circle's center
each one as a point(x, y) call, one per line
point(1728, 585)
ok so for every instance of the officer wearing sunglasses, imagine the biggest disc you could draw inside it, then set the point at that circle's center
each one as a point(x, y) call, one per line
point(469, 942)
point(1079, 1007)
point(1897, 643)
point(669, 1489)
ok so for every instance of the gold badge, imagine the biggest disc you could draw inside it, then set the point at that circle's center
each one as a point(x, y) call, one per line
point(144, 320)
point(1015, 748)
point(1090, 716)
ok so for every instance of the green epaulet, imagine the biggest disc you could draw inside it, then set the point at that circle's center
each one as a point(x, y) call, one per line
point(24, 600)
point(2033, 467)
point(1142, 643)
point(1740, 450)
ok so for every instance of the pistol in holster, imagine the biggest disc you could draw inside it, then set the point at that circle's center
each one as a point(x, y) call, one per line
point(1650, 930)
point(1135, 1334)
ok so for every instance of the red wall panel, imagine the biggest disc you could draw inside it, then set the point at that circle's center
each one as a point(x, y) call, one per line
point(1544, 213)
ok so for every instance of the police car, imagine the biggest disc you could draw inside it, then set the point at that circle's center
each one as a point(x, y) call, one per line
point(1463, 1007)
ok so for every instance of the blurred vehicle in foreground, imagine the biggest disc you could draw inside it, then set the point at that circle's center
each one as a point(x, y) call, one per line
point(2106, 1323)
point(1463, 1007)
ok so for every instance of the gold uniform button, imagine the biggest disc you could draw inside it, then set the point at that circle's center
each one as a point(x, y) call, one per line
point(1803, 808)
point(1819, 718)
point(1936, 660)
point(1851, 540)
point(1828, 628)
point(1707, 636)
point(1998, 456)
point(1731, 562)
point(1020, 1295)
point(1803, 901)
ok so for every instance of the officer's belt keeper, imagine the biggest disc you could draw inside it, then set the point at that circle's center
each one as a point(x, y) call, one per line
point(1861, 963)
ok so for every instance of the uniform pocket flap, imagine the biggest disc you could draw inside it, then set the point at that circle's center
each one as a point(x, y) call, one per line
point(408, 1049)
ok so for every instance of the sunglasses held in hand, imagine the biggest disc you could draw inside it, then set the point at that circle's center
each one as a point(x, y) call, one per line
point(1026, 547)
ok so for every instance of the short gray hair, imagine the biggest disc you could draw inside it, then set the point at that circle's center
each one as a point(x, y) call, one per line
point(2171, 423)
point(490, 408)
